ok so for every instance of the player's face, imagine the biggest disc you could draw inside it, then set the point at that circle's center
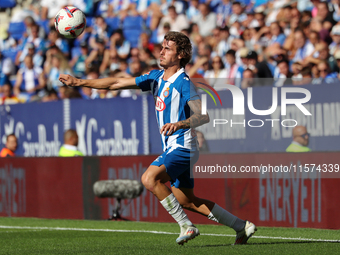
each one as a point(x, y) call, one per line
point(168, 55)
point(12, 143)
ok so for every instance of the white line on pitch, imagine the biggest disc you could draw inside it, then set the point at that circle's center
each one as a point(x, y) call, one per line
point(165, 233)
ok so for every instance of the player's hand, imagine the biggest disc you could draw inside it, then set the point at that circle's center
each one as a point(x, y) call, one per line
point(169, 129)
point(68, 80)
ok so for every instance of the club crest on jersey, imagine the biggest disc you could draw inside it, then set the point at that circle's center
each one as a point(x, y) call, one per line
point(160, 105)
point(166, 92)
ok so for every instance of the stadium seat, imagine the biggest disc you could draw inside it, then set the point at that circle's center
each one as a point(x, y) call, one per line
point(11, 53)
point(76, 51)
point(45, 25)
point(16, 29)
point(132, 35)
point(89, 21)
point(153, 38)
point(133, 22)
point(114, 22)
point(148, 21)
point(8, 3)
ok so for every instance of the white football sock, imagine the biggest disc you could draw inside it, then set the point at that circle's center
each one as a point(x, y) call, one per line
point(171, 204)
point(224, 217)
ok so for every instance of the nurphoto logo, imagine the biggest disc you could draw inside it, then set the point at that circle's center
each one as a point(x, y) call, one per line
point(239, 105)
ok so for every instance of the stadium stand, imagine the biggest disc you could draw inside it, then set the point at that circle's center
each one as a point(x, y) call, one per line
point(262, 34)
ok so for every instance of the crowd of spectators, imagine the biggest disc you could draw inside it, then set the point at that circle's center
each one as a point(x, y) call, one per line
point(246, 43)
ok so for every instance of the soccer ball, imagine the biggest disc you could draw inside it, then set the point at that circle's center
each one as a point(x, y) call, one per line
point(70, 22)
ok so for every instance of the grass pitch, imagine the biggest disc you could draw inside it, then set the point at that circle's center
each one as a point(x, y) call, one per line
point(43, 236)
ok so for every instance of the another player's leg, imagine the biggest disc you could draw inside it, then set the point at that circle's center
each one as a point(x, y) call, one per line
point(244, 229)
point(153, 180)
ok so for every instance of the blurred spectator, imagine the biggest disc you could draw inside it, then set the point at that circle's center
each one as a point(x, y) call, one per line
point(135, 68)
point(118, 42)
point(34, 38)
point(241, 56)
point(145, 56)
point(306, 73)
point(193, 11)
point(111, 61)
point(177, 22)
point(225, 41)
point(202, 143)
point(68, 92)
point(206, 20)
point(223, 11)
point(161, 32)
point(30, 22)
point(296, 73)
point(260, 18)
point(85, 5)
point(277, 35)
point(314, 38)
point(284, 74)
point(88, 93)
point(7, 95)
point(29, 49)
point(69, 148)
point(32, 11)
point(306, 16)
point(336, 7)
point(30, 79)
point(97, 55)
point(7, 69)
point(216, 75)
point(101, 30)
point(204, 50)
point(231, 66)
point(54, 38)
point(337, 58)
point(324, 15)
point(300, 140)
point(51, 96)
point(237, 13)
point(78, 61)
point(248, 79)
point(260, 69)
point(49, 8)
point(326, 75)
point(303, 49)
point(303, 33)
point(55, 65)
point(320, 54)
point(10, 147)
point(335, 45)
point(7, 42)
point(118, 8)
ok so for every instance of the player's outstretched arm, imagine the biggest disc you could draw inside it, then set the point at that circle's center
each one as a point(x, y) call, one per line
point(195, 120)
point(110, 83)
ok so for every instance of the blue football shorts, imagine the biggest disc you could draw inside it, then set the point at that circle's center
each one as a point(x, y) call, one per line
point(178, 163)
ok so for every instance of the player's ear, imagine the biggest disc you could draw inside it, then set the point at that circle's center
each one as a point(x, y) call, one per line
point(180, 56)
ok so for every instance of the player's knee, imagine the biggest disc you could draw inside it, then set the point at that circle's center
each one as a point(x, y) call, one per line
point(187, 205)
point(148, 181)
point(185, 202)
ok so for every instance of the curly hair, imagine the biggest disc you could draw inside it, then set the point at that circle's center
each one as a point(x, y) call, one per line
point(183, 46)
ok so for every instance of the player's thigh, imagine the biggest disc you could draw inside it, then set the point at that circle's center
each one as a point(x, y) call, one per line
point(155, 173)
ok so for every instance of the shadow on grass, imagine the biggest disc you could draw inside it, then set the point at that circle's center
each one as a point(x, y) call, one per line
point(264, 243)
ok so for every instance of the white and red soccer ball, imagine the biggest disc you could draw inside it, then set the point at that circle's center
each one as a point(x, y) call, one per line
point(70, 22)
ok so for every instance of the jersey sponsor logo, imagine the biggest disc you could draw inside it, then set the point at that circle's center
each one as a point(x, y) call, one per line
point(160, 105)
